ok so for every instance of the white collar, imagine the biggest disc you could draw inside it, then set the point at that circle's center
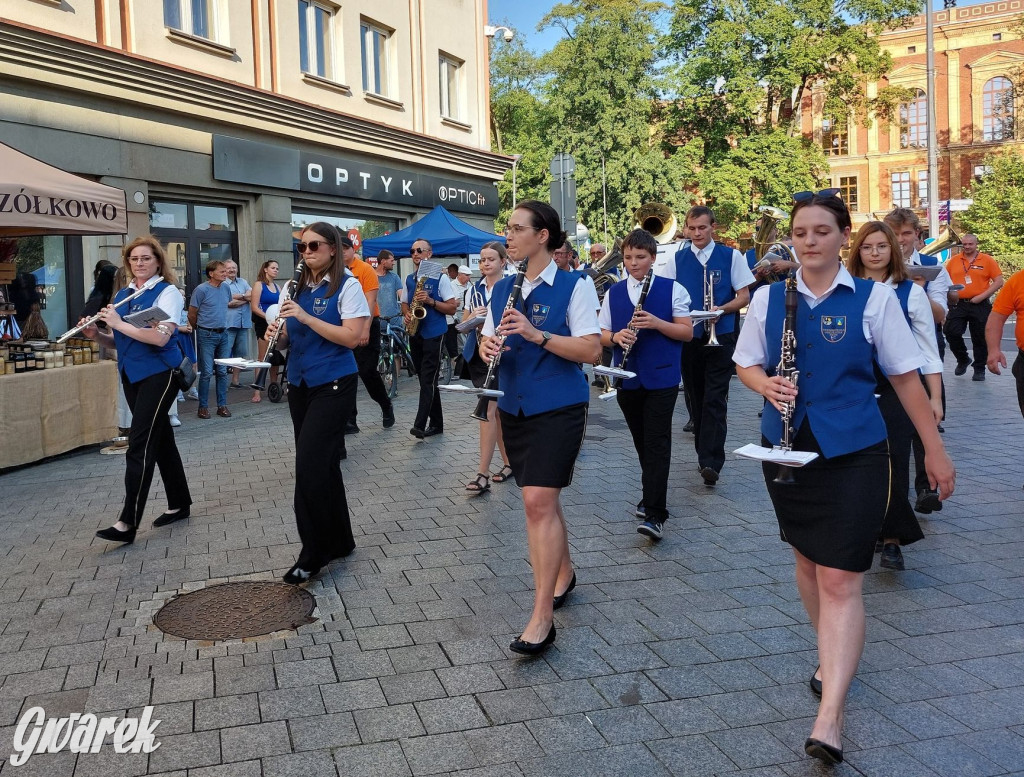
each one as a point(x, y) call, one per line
point(915, 258)
point(547, 275)
point(843, 277)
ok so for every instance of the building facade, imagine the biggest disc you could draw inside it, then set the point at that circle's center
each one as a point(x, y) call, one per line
point(230, 123)
point(978, 78)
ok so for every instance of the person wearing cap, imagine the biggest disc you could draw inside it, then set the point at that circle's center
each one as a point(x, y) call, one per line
point(454, 342)
point(367, 352)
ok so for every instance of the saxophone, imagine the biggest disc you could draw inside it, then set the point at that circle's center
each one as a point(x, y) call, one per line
point(417, 309)
point(787, 369)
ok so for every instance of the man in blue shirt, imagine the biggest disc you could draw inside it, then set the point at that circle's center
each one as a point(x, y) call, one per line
point(208, 315)
point(239, 318)
point(390, 288)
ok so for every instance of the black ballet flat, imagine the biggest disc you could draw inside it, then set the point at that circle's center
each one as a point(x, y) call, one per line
point(116, 535)
point(559, 600)
point(168, 518)
point(298, 575)
point(525, 648)
point(815, 683)
point(822, 751)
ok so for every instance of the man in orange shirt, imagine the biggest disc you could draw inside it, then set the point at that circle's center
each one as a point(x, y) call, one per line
point(980, 277)
point(367, 353)
point(1010, 300)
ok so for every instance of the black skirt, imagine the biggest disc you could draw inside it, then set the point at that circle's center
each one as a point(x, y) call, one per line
point(542, 448)
point(260, 326)
point(833, 513)
point(900, 521)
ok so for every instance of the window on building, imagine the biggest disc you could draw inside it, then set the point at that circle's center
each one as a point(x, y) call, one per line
point(195, 17)
point(980, 171)
point(848, 191)
point(911, 49)
point(914, 122)
point(922, 189)
point(316, 50)
point(901, 189)
point(376, 53)
point(997, 109)
point(835, 138)
point(997, 36)
point(450, 87)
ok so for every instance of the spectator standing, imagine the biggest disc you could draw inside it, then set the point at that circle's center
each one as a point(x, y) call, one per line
point(980, 277)
point(239, 318)
point(390, 288)
point(208, 315)
point(1010, 300)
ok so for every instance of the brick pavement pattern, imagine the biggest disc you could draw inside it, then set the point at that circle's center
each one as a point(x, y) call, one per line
point(689, 657)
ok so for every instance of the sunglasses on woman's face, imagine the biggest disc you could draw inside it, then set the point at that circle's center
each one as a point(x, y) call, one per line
point(312, 245)
point(824, 193)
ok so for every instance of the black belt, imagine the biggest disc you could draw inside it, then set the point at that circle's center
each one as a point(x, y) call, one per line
point(210, 329)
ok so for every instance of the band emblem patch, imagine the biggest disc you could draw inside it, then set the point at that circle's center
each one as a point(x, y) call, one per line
point(833, 328)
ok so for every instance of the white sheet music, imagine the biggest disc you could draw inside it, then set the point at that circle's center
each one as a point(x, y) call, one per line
point(430, 269)
point(776, 455)
point(704, 315)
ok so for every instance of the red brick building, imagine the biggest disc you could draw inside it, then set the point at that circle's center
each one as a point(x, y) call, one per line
point(979, 54)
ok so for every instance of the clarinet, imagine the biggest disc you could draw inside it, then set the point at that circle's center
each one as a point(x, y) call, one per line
point(787, 369)
point(286, 294)
point(639, 307)
point(480, 413)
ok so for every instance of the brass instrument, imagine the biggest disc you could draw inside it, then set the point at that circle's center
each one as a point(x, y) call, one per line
point(417, 309)
point(709, 303)
point(601, 270)
point(770, 218)
point(273, 356)
point(480, 413)
point(787, 369)
point(948, 238)
point(658, 219)
point(152, 282)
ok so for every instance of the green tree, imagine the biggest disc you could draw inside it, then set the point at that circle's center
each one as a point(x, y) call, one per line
point(997, 214)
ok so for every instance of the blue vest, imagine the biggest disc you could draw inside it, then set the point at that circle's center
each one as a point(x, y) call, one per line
point(471, 339)
point(533, 379)
point(690, 273)
point(837, 381)
point(435, 324)
point(751, 257)
point(313, 359)
point(654, 358)
point(141, 360)
point(903, 295)
point(927, 261)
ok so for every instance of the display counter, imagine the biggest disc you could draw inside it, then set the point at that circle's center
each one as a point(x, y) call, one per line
point(52, 411)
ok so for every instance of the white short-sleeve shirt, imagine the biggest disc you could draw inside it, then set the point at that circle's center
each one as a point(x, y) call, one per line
point(680, 301)
point(351, 300)
point(583, 304)
point(665, 263)
point(169, 300)
point(884, 326)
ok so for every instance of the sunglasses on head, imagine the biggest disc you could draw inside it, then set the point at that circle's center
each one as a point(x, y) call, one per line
point(312, 245)
point(808, 195)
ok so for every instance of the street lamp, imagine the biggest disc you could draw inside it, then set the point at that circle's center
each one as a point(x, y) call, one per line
point(515, 161)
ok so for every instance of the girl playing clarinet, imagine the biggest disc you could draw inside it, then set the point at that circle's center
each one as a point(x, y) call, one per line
point(549, 332)
point(831, 514)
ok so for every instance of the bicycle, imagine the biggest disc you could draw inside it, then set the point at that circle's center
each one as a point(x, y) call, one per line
point(394, 347)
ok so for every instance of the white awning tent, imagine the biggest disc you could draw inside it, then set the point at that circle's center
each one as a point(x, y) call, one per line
point(38, 199)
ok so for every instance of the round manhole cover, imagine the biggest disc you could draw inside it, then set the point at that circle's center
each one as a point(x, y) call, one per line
point(236, 610)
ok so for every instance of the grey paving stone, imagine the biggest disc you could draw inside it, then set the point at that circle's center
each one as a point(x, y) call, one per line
point(238, 769)
point(227, 711)
point(354, 695)
point(438, 753)
point(628, 689)
point(186, 751)
point(503, 744)
point(566, 733)
point(692, 756)
point(472, 678)
point(623, 725)
point(385, 759)
point(307, 672)
point(460, 713)
point(750, 746)
point(512, 706)
point(289, 703)
point(682, 717)
point(623, 759)
point(300, 765)
point(415, 686)
point(323, 731)
point(384, 723)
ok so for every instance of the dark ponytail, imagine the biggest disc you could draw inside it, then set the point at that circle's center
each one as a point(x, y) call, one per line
point(543, 216)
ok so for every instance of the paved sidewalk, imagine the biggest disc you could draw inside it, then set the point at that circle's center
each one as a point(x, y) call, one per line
point(690, 657)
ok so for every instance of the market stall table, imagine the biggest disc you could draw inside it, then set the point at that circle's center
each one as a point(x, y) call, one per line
point(47, 412)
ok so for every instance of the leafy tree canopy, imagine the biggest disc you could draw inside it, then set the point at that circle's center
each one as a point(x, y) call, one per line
point(998, 209)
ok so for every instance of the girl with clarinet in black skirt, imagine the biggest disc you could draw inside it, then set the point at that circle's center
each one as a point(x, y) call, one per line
point(543, 337)
point(833, 510)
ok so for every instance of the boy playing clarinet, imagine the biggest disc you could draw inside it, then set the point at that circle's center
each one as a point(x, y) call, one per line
point(645, 319)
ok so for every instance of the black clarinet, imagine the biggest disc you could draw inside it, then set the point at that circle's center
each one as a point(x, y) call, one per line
point(260, 382)
point(639, 307)
point(787, 369)
point(480, 413)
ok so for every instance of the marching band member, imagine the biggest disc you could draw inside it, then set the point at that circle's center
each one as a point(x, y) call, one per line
point(550, 331)
point(438, 299)
point(831, 513)
point(653, 329)
point(706, 368)
point(146, 358)
point(478, 295)
point(324, 321)
point(875, 255)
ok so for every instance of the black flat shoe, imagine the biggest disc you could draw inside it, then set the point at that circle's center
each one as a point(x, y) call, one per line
point(815, 683)
point(818, 749)
point(559, 600)
point(116, 535)
point(166, 518)
point(388, 416)
point(430, 431)
point(418, 433)
point(525, 648)
point(297, 575)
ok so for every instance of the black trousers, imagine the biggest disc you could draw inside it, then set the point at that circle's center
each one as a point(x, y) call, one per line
point(426, 358)
point(706, 374)
point(962, 316)
point(1018, 374)
point(451, 342)
point(319, 415)
point(367, 357)
point(151, 445)
point(648, 415)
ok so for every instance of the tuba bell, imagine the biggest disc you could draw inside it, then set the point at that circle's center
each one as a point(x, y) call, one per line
point(658, 219)
point(763, 240)
point(947, 238)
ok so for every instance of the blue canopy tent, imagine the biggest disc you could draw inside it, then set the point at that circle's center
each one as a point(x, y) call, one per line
point(448, 235)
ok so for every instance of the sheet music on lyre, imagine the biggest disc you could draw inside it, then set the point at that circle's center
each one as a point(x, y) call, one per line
point(776, 455)
point(704, 315)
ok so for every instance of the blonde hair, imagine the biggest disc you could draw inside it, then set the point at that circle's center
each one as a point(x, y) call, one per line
point(163, 268)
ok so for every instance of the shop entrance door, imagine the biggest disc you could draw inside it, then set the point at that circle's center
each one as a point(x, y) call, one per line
point(193, 234)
